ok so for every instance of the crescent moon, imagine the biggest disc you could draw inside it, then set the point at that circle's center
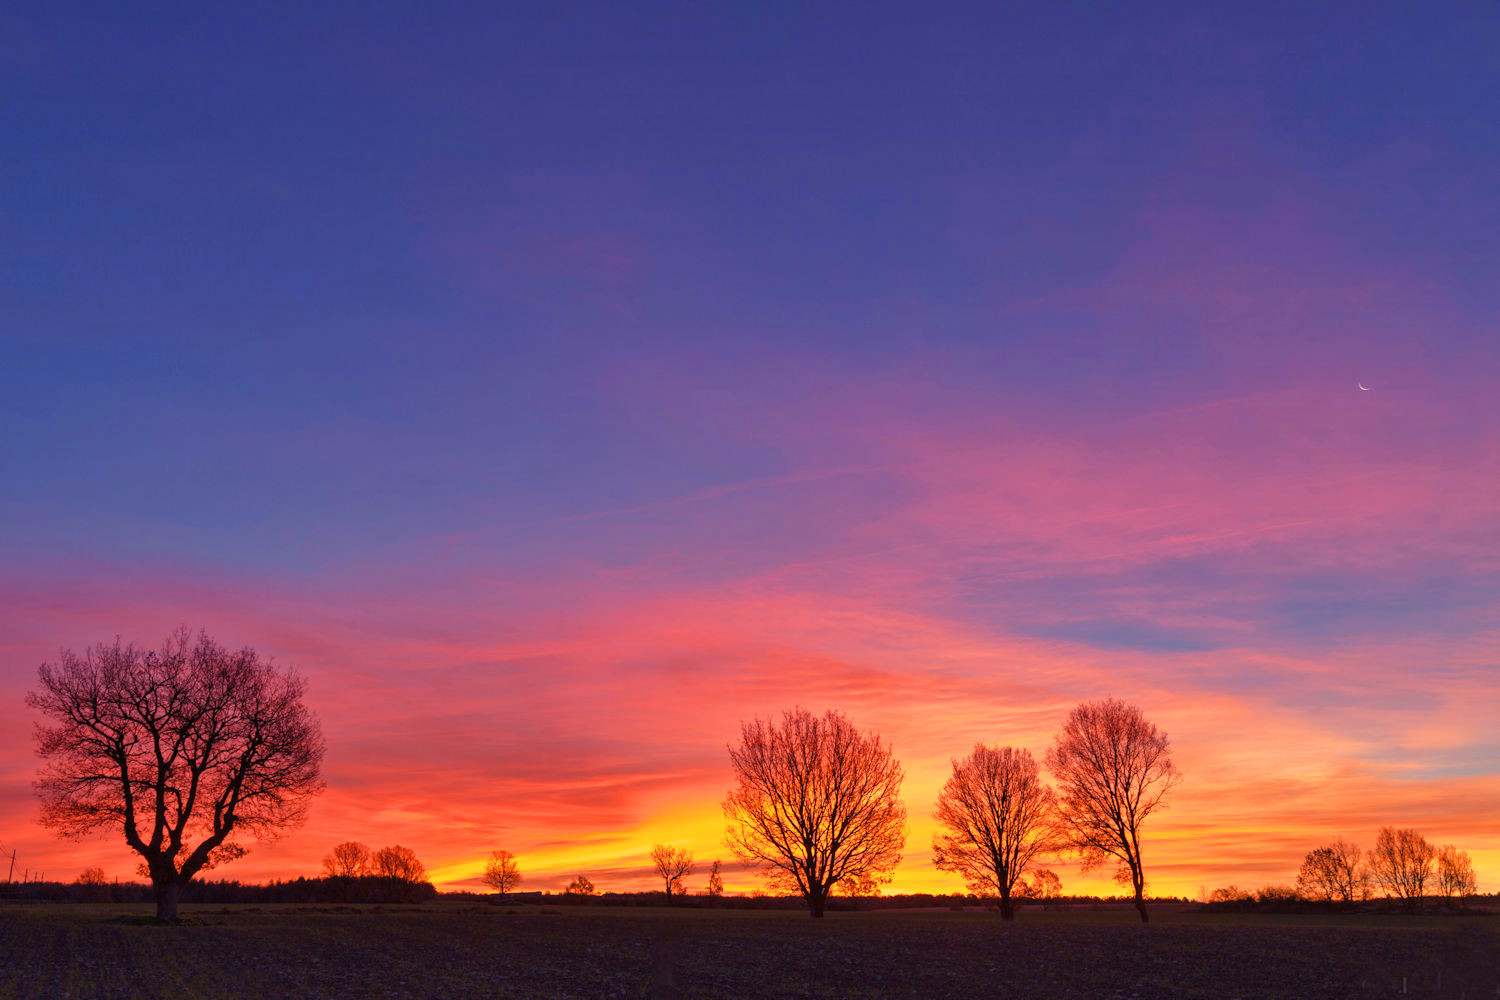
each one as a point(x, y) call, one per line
point(1363, 386)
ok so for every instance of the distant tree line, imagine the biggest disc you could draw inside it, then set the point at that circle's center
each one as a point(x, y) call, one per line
point(1402, 866)
point(320, 891)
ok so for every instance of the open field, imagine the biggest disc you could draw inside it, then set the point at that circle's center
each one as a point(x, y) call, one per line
point(476, 950)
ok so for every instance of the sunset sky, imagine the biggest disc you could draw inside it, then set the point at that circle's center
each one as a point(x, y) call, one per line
point(557, 385)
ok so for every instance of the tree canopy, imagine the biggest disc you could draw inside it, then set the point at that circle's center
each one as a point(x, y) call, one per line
point(178, 748)
point(816, 805)
point(995, 818)
point(1113, 768)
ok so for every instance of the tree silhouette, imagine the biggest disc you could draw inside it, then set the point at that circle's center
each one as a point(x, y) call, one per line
point(1042, 884)
point(351, 859)
point(1332, 872)
point(673, 864)
point(399, 863)
point(93, 885)
point(1230, 894)
point(816, 804)
point(501, 873)
point(1455, 872)
point(1113, 769)
point(997, 818)
point(178, 748)
point(580, 886)
point(1401, 863)
point(715, 881)
point(1277, 894)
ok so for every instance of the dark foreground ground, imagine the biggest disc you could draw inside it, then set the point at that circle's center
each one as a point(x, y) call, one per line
point(477, 950)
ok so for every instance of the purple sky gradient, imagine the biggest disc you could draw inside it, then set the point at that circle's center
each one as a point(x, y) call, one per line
point(558, 390)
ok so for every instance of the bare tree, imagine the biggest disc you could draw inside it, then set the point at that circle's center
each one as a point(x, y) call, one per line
point(501, 873)
point(1042, 884)
point(1401, 864)
point(399, 863)
point(351, 859)
point(93, 876)
point(1113, 768)
point(673, 864)
point(1455, 872)
point(1332, 872)
point(580, 886)
point(715, 881)
point(179, 748)
point(997, 818)
point(816, 804)
point(93, 886)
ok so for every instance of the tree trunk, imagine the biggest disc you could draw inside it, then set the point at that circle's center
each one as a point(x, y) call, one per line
point(1007, 908)
point(167, 892)
point(816, 901)
point(1138, 883)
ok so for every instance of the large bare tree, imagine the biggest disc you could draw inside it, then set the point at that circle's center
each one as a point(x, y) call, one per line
point(351, 859)
point(1113, 769)
point(673, 864)
point(997, 818)
point(1401, 864)
point(816, 805)
point(1332, 872)
point(178, 748)
point(501, 873)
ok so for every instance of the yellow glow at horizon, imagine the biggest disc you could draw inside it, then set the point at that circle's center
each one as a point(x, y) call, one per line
point(698, 826)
